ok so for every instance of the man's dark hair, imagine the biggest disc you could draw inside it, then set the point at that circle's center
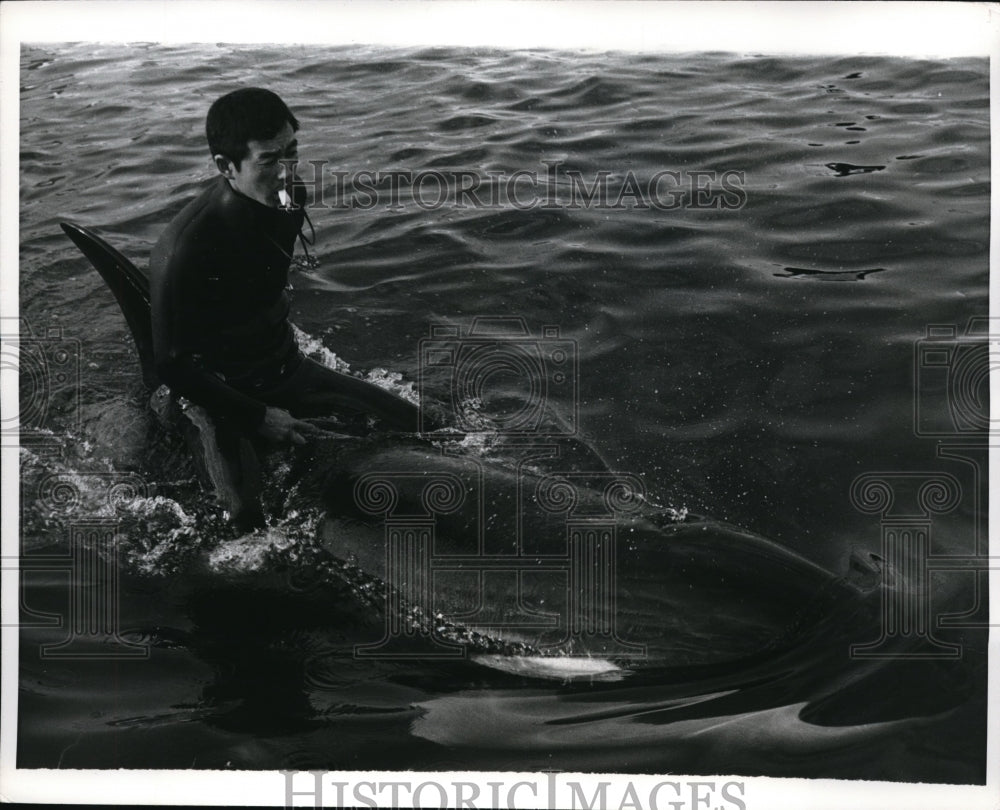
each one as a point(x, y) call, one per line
point(249, 114)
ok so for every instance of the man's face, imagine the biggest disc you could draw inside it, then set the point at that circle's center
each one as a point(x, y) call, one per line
point(266, 169)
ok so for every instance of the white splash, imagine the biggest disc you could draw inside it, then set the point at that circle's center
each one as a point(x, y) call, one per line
point(313, 347)
point(564, 668)
point(383, 378)
point(157, 534)
point(249, 553)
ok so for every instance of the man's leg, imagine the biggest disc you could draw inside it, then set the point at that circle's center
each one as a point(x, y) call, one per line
point(231, 462)
point(315, 390)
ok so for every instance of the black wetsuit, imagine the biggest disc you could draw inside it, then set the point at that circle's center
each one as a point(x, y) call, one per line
point(222, 339)
point(219, 275)
point(221, 336)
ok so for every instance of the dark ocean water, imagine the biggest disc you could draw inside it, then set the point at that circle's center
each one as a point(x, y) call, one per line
point(746, 364)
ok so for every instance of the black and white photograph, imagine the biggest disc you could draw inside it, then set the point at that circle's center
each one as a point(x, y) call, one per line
point(502, 404)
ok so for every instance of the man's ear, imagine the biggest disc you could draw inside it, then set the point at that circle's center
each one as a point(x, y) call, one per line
point(225, 166)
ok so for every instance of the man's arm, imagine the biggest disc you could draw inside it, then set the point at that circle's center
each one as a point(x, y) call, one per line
point(208, 390)
point(186, 377)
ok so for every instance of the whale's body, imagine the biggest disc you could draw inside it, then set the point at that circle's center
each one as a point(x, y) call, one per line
point(535, 550)
point(523, 557)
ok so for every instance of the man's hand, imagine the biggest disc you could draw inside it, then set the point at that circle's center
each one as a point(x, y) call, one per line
point(280, 426)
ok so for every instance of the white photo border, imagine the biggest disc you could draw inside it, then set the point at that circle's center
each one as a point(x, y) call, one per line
point(917, 29)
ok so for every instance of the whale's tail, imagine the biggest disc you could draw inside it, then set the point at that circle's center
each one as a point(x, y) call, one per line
point(130, 287)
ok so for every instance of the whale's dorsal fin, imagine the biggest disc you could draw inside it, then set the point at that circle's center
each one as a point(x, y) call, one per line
point(130, 287)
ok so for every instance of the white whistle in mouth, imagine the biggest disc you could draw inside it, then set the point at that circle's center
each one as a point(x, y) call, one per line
point(284, 198)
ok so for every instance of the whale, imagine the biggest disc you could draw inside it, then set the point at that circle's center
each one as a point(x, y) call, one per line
point(532, 559)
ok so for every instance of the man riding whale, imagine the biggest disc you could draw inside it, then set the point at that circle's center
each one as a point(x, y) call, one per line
point(212, 323)
point(218, 289)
